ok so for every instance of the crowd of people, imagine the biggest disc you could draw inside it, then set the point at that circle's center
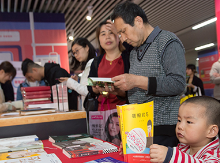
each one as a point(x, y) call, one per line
point(146, 64)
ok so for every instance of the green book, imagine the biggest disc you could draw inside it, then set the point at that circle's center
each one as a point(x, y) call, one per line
point(62, 138)
point(100, 82)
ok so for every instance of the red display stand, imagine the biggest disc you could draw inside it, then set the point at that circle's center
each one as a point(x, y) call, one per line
point(49, 148)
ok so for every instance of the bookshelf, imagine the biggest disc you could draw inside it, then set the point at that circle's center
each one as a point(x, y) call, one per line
point(43, 125)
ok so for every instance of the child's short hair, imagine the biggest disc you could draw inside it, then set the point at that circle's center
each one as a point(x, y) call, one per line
point(212, 108)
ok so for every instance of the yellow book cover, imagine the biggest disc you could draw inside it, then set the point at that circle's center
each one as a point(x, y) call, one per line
point(137, 131)
point(21, 154)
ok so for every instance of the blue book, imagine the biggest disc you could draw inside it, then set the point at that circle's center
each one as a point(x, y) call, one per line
point(106, 159)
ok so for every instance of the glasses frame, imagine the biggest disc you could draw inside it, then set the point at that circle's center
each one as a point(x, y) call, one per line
point(76, 52)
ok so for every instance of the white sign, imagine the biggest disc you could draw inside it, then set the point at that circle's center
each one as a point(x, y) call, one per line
point(9, 36)
point(7, 55)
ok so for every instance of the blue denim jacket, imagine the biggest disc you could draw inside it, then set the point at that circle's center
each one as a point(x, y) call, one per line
point(25, 84)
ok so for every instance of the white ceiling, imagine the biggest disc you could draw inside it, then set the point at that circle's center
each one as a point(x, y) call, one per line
point(177, 16)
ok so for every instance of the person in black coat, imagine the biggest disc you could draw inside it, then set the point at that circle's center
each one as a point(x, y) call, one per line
point(51, 72)
point(8, 91)
point(193, 82)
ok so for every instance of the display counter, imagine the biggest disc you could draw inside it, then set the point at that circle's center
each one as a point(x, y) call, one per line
point(43, 125)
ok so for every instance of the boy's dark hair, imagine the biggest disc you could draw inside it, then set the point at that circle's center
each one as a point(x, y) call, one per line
point(27, 66)
point(8, 68)
point(128, 12)
point(212, 108)
point(92, 52)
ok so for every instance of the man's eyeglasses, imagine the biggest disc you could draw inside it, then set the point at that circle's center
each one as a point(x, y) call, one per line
point(76, 52)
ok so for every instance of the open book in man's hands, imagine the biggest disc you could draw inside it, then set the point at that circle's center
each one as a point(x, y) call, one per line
point(99, 81)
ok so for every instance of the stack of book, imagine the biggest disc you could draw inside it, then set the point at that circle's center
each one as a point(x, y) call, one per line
point(60, 96)
point(24, 149)
point(81, 145)
point(37, 100)
point(36, 95)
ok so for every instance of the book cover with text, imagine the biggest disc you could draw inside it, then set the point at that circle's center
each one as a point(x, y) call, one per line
point(136, 124)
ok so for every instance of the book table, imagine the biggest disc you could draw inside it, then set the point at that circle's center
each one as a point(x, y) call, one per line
point(43, 125)
point(49, 148)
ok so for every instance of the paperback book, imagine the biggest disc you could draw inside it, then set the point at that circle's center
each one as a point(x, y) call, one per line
point(136, 126)
point(37, 96)
point(100, 81)
point(90, 149)
point(35, 89)
point(19, 139)
point(78, 142)
point(21, 154)
point(62, 138)
point(106, 160)
point(20, 146)
point(44, 158)
point(37, 111)
point(36, 93)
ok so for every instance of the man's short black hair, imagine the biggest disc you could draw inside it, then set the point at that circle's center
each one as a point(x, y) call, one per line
point(24, 65)
point(128, 12)
point(212, 108)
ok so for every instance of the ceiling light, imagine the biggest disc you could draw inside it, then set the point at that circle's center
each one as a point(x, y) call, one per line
point(204, 46)
point(197, 59)
point(71, 37)
point(89, 16)
point(204, 23)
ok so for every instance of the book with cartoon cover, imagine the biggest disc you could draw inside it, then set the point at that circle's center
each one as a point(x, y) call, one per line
point(20, 146)
point(44, 158)
point(136, 125)
point(18, 139)
point(22, 154)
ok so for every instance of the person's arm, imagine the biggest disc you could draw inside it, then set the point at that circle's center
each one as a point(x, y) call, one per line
point(214, 77)
point(173, 83)
point(3, 107)
point(60, 73)
point(93, 73)
point(184, 157)
point(81, 87)
point(19, 95)
point(174, 65)
point(159, 153)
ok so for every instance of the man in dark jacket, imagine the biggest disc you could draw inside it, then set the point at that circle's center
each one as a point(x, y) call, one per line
point(51, 72)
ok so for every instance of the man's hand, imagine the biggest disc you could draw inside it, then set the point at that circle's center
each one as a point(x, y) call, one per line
point(215, 74)
point(112, 90)
point(124, 82)
point(158, 153)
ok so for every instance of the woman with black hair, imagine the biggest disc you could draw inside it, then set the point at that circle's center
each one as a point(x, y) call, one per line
point(83, 53)
point(112, 129)
point(7, 72)
point(193, 82)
